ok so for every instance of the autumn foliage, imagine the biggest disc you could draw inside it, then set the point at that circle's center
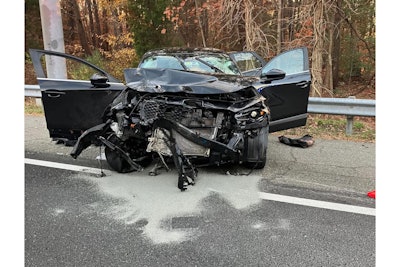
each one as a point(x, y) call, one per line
point(340, 35)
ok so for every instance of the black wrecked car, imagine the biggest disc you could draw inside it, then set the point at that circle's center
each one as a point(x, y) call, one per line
point(181, 107)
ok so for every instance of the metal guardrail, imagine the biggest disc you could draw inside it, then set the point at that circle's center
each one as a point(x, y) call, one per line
point(32, 90)
point(348, 107)
point(342, 106)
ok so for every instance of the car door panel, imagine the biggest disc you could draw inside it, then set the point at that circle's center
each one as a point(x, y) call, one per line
point(70, 111)
point(288, 98)
point(73, 106)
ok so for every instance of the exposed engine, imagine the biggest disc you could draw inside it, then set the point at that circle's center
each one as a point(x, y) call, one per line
point(190, 129)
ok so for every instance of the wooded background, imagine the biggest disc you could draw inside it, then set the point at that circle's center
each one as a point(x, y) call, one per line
point(339, 34)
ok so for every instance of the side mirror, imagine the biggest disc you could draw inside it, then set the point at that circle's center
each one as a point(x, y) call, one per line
point(99, 81)
point(272, 75)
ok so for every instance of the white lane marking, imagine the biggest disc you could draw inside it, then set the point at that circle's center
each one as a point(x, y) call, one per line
point(62, 166)
point(318, 204)
point(262, 195)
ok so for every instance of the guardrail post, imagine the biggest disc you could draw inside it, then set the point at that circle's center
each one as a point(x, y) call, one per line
point(349, 125)
point(350, 120)
point(38, 102)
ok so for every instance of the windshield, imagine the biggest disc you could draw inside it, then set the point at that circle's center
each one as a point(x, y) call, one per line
point(218, 63)
point(161, 62)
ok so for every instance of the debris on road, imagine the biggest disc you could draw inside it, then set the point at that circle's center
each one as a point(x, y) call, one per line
point(371, 194)
point(304, 142)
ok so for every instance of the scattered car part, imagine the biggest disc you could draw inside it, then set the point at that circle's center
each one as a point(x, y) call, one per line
point(304, 142)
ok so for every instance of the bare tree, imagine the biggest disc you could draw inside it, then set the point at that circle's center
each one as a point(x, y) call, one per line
point(91, 30)
point(200, 24)
point(80, 27)
point(97, 25)
point(244, 25)
point(279, 26)
point(318, 49)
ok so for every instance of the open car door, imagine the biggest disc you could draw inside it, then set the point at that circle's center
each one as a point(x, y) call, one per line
point(74, 101)
point(287, 80)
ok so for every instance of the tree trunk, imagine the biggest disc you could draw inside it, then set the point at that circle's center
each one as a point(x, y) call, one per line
point(81, 31)
point(291, 21)
point(317, 54)
point(336, 45)
point(68, 21)
point(329, 32)
point(91, 23)
point(279, 27)
point(200, 24)
point(115, 24)
point(104, 45)
point(97, 31)
point(329, 66)
point(247, 24)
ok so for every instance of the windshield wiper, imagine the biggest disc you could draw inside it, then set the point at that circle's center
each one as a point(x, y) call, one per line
point(181, 62)
point(209, 65)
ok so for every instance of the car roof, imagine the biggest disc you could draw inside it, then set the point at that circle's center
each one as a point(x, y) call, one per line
point(184, 51)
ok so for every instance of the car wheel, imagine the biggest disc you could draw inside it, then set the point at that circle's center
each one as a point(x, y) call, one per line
point(256, 165)
point(256, 150)
point(118, 163)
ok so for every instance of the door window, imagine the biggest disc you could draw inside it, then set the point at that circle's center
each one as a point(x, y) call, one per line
point(246, 61)
point(291, 62)
point(55, 65)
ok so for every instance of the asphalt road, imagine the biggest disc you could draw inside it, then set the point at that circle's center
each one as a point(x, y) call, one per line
point(329, 166)
point(77, 218)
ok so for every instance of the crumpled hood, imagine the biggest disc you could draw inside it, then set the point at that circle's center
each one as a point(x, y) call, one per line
point(175, 81)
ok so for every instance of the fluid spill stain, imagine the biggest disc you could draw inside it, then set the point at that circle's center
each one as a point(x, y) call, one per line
point(157, 199)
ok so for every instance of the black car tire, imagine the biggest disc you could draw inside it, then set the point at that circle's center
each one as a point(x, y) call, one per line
point(256, 165)
point(256, 150)
point(118, 163)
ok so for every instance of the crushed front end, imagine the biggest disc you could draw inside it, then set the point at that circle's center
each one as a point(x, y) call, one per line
point(189, 119)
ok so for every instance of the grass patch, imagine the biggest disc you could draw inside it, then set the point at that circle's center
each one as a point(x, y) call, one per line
point(334, 127)
point(32, 108)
